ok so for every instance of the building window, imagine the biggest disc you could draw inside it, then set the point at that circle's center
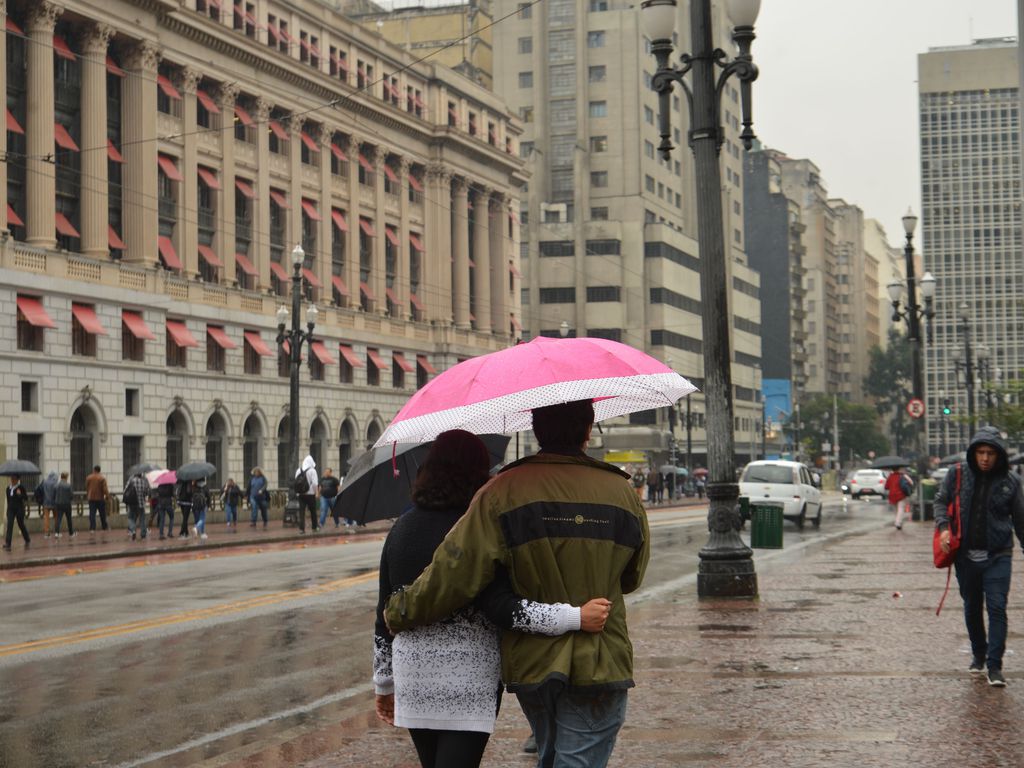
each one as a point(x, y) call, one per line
point(599, 178)
point(603, 293)
point(604, 247)
point(599, 109)
point(177, 356)
point(252, 360)
point(526, 45)
point(595, 39)
point(472, 124)
point(598, 5)
point(598, 143)
point(558, 295)
point(556, 248)
point(83, 339)
point(372, 371)
point(132, 402)
point(29, 396)
point(525, 149)
point(525, 10)
point(453, 115)
point(397, 372)
point(526, 79)
point(599, 214)
point(30, 330)
point(526, 114)
point(649, 183)
point(316, 367)
point(648, 115)
point(215, 354)
point(597, 73)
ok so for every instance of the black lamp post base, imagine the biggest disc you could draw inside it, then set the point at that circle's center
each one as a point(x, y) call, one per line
point(292, 510)
point(726, 564)
point(726, 579)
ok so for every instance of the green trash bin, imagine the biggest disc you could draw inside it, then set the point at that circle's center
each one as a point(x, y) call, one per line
point(928, 490)
point(766, 526)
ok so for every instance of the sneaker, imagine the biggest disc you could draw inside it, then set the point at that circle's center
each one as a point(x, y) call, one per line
point(46, 535)
point(72, 535)
point(162, 537)
point(203, 536)
point(195, 531)
point(133, 537)
point(977, 666)
point(530, 745)
point(996, 679)
point(56, 535)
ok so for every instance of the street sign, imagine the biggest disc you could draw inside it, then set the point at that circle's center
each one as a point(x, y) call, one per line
point(915, 407)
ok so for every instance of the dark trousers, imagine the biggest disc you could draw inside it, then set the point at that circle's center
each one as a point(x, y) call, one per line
point(62, 512)
point(186, 509)
point(985, 586)
point(449, 749)
point(94, 507)
point(307, 502)
point(9, 533)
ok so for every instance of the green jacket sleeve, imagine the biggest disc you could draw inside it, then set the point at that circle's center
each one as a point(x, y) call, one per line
point(633, 576)
point(462, 567)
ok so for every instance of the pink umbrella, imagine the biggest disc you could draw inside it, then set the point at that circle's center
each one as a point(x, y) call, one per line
point(162, 477)
point(494, 393)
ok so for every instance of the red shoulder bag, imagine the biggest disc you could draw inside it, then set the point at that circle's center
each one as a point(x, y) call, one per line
point(946, 559)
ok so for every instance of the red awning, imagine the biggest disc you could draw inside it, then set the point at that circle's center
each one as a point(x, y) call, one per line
point(13, 27)
point(113, 153)
point(168, 254)
point(254, 340)
point(114, 240)
point(206, 254)
point(181, 334)
point(169, 166)
point(112, 67)
point(13, 217)
point(367, 227)
point(216, 333)
point(417, 244)
point(513, 270)
point(415, 183)
point(392, 296)
point(453, 114)
point(516, 324)
point(64, 226)
point(311, 277)
point(245, 188)
point(168, 88)
point(280, 199)
point(278, 130)
point(390, 173)
point(311, 145)
point(389, 232)
point(137, 325)
point(247, 266)
point(404, 364)
point(322, 354)
point(207, 101)
point(342, 63)
point(286, 35)
point(279, 272)
point(63, 138)
point(86, 317)
point(209, 177)
point(376, 359)
point(350, 356)
point(241, 115)
point(339, 285)
point(366, 291)
point(416, 301)
point(60, 47)
point(33, 311)
point(12, 124)
point(367, 165)
point(310, 208)
point(273, 30)
point(424, 363)
point(339, 220)
point(339, 152)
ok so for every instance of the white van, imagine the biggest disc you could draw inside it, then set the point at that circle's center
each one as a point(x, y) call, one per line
point(783, 482)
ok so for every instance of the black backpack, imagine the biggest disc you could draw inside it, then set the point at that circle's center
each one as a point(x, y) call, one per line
point(131, 495)
point(301, 484)
point(37, 494)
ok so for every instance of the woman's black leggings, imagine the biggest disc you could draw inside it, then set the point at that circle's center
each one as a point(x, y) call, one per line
point(449, 749)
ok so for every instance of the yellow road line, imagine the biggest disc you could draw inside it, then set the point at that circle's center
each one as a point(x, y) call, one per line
point(132, 627)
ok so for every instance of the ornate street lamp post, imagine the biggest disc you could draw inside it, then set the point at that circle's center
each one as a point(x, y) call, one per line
point(726, 566)
point(967, 364)
point(292, 341)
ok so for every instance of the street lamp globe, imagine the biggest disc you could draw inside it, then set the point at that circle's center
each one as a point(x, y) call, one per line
point(909, 222)
point(928, 286)
point(895, 289)
point(298, 256)
point(983, 353)
point(743, 12)
point(282, 316)
point(311, 315)
point(563, 329)
point(964, 311)
point(658, 18)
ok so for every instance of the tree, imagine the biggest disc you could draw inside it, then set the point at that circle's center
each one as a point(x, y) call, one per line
point(889, 383)
point(858, 428)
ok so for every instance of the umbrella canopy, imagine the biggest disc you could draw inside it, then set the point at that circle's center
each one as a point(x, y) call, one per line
point(196, 470)
point(956, 458)
point(495, 393)
point(668, 469)
point(162, 477)
point(700, 472)
point(18, 467)
point(372, 492)
point(142, 469)
point(889, 462)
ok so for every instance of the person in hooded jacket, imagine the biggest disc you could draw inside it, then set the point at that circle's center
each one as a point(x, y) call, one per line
point(307, 499)
point(49, 505)
point(991, 512)
point(63, 496)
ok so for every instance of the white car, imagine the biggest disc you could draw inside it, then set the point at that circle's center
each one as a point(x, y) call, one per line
point(784, 482)
point(868, 482)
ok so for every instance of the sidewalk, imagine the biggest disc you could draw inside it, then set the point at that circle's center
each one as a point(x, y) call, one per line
point(841, 662)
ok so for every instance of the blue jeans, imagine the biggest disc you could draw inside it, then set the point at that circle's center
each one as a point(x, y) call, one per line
point(101, 507)
point(985, 585)
point(231, 513)
point(136, 520)
point(325, 509)
point(165, 513)
point(200, 518)
point(573, 729)
point(258, 506)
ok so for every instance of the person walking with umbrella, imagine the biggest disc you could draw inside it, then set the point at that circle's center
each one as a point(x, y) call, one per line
point(17, 497)
point(306, 483)
point(200, 502)
point(899, 486)
point(165, 506)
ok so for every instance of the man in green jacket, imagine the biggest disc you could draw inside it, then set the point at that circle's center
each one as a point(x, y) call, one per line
point(568, 529)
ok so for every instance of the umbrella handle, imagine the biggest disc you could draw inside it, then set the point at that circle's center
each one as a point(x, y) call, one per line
point(394, 462)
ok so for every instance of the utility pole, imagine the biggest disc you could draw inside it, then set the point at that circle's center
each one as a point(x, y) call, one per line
point(835, 431)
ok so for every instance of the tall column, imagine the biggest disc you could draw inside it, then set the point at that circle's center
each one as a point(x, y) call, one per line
point(225, 96)
point(436, 279)
point(188, 199)
point(295, 195)
point(499, 266)
point(325, 238)
point(378, 276)
point(482, 256)
point(261, 205)
point(402, 289)
point(95, 208)
point(3, 134)
point(515, 306)
point(40, 173)
point(352, 256)
point(139, 149)
point(460, 248)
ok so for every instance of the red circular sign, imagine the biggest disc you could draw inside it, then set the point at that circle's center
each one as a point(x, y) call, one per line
point(915, 407)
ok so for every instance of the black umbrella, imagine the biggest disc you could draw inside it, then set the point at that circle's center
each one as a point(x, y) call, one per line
point(372, 492)
point(955, 458)
point(143, 468)
point(889, 462)
point(196, 470)
point(18, 467)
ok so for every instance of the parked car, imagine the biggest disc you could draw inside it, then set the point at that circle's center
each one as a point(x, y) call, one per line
point(868, 482)
point(788, 483)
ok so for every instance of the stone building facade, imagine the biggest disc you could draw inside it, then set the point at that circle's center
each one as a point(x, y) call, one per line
point(164, 158)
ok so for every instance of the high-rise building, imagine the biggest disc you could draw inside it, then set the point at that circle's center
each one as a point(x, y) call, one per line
point(891, 266)
point(609, 238)
point(971, 215)
point(161, 164)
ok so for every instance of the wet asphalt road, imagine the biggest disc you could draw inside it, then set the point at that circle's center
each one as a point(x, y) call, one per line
point(204, 661)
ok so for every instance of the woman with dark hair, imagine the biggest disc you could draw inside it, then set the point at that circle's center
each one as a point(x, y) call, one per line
point(442, 681)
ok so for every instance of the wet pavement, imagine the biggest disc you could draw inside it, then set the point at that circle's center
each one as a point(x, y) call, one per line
point(840, 662)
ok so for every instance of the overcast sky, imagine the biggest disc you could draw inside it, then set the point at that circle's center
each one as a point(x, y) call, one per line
point(838, 86)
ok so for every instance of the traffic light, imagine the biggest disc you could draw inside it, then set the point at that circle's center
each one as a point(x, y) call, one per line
point(946, 410)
